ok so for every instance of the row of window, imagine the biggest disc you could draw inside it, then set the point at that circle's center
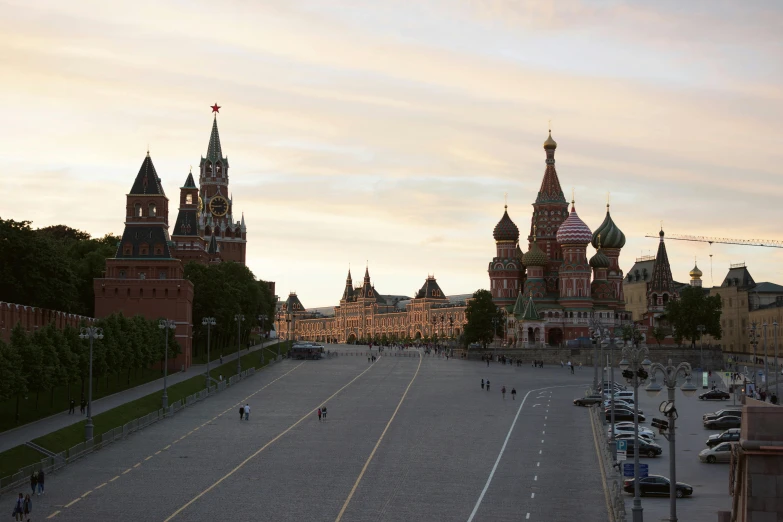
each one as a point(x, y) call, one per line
point(122, 274)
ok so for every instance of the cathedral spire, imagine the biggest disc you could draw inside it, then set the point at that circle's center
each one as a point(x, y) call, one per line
point(662, 273)
point(550, 191)
point(214, 150)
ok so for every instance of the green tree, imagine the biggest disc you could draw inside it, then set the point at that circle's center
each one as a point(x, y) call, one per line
point(480, 312)
point(694, 308)
point(10, 372)
point(659, 334)
point(630, 334)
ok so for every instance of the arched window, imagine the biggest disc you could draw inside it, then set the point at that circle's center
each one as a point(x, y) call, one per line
point(217, 231)
point(208, 231)
point(152, 210)
point(137, 210)
point(228, 232)
point(189, 199)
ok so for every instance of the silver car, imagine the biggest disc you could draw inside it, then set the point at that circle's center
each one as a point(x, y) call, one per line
point(720, 453)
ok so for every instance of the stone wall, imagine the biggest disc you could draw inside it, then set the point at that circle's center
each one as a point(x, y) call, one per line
point(32, 317)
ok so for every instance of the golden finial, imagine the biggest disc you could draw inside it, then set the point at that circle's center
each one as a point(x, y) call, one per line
point(505, 200)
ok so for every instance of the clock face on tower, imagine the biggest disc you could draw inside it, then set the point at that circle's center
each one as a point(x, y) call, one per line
point(218, 206)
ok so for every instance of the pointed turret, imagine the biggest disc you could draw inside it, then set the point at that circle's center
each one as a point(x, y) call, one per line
point(662, 280)
point(550, 191)
point(348, 292)
point(530, 313)
point(147, 181)
point(189, 182)
point(519, 306)
point(214, 150)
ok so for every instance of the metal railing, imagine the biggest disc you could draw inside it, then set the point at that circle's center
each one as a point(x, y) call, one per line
point(59, 460)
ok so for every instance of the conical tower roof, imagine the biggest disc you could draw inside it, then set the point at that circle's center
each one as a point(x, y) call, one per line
point(147, 181)
point(662, 273)
point(189, 182)
point(530, 313)
point(214, 150)
point(550, 191)
point(519, 305)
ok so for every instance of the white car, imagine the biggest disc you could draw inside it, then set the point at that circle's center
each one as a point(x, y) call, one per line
point(629, 429)
point(619, 402)
point(624, 395)
point(629, 436)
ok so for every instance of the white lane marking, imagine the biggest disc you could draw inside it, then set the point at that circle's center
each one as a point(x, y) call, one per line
point(542, 441)
point(535, 478)
point(532, 495)
point(538, 464)
point(527, 517)
point(540, 451)
point(503, 449)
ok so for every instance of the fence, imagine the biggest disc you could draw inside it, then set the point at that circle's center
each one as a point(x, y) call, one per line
point(59, 460)
point(611, 475)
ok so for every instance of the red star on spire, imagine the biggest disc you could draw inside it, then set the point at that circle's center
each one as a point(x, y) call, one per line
point(216, 108)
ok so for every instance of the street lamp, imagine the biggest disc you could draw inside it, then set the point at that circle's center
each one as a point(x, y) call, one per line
point(598, 331)
point(701, 328)
point(495, 324)
point(777, 372)
point(209, 322)
point(635, 366)
point(670, 374)
point(239, 318)
point(90, 332)
point(766, 373)
point(166, 325)
point(755, 342)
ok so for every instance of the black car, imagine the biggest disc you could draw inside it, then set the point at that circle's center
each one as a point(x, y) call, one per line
point(623, 415)
point(732, 410)
point(588, 400)
point(715, 395)
point(647, 449)
point(657, 485)
point(724, 422)
point(732, 435)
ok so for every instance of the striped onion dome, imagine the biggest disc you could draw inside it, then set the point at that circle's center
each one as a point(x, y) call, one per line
point(611, 235)
point(506, 230)
point(573, 231)
point(535, 256)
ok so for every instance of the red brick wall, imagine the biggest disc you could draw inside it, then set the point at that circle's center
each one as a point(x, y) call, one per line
point(32, 317)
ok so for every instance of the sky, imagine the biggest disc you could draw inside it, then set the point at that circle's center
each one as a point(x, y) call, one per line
point(387, 132)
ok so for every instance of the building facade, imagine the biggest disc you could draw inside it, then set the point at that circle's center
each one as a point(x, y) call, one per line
point(364, 315)
point(552, 292)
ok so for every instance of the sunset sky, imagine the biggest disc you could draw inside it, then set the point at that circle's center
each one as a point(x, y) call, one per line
point(388, 131)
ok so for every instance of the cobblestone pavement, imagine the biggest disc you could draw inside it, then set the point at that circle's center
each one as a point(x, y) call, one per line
point(433, 462)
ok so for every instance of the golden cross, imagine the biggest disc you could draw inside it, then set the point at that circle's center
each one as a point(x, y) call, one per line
point(505, 199)
point(550, 126)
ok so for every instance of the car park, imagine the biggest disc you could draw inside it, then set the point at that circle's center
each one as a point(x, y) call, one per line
point(629, 429)
point(648, 449)
point(657, 485)
point(720, 453)
point(715, 395)
point(588, 400)
point(730, 435)
point(646, 437)
point(733, 410)
point(624, 415)
point(724, 422)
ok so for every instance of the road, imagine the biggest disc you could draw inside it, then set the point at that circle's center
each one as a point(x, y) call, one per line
point(406, 439)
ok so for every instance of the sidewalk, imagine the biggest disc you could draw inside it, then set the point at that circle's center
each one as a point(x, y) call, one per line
point(39, 428)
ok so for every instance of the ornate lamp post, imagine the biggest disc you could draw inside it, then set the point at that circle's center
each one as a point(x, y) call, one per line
point(90, 332)
point(166, 325)
point(670, 374)
point(766, 374)
point(701, 328)
point(209, 322)
point(755, 342)
point(777, 372)
point(239, 318)
point(635, 366)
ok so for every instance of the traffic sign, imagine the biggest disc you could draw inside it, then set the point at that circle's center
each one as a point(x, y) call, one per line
point(628, 470)
point(622, 445)
point(621, 456)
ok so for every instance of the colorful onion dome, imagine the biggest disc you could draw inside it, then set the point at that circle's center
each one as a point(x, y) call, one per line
point(695, 273)
point(506, 230)
point(611, 235)
point(599, 260)
point(535, 256)
point(550, 143)
point(573, 230)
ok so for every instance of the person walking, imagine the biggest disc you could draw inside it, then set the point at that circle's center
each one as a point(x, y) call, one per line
point(247, 412)
point(319, 414)
point(84, 405)
point(482, 384)
point(72, 407)
point(18, 511)
point(323, 412)
point(27, 507)
point(487, 384)
point(33, 481)
point(503, 391)
point(41, 482)
point(513, 393)
point(241, 412)
point(487, 361)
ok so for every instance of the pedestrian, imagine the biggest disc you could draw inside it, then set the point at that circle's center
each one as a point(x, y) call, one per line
point(514, 393)
point(18, 508)
point(247, 412)
point(27, 507)
point(72, 407)
point(241, 412)
point(41, 482)
point(323, 412)
point(33, 481)
point(487, 384)
point(482, 384)
point(319, 414)
point(503, 391)
point(83, 405)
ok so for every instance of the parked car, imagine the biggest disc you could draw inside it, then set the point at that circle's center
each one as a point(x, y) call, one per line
point(715, 395)
point(648, 449)
point(646, 437)
point(589, 400)
point(623, 395)
point(722, 423)
point(618, 402)
point(629, 429)
point(620, 407)
point(624, 415)
point(720, 453)
point(657, 485)
point(730, 435)
point(733, 410)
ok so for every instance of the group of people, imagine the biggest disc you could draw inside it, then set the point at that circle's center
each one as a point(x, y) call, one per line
point(23, 506)
point(502, 359)
point(568, 365)
point(502, 389)
point(244, 412)
point(82, 407)
point(322, 413)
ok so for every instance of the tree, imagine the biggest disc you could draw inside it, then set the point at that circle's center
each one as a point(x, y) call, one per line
point(480, 312)
point(630, 334)
point(659, 334)
point(694, 308)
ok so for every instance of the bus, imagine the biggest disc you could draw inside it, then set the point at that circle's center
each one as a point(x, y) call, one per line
point(306, 351)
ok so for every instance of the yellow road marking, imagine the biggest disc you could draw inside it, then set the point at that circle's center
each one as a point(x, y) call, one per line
point(196, 428)
point(380, 439)
point(99, 487)
point(148, 458)
point(265, 446)
point(137, 465)
point(167, 447)
point(86, 493)
point(607, 496)
point(115, 478)
point(72, 502)
point(53, 514)
point(157, 452)
point(182, 437)
point(126, 471)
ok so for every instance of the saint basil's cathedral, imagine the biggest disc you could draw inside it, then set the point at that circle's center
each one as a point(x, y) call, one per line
point(547, 293)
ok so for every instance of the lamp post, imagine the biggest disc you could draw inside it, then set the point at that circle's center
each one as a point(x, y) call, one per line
point(209, 322)
point(239, 318)
point(755, 342)
point(701, 328)
point(766, 374)
point(635, 366)
point(495, 324)
point(777, 372)
point(670, 374)
point(166, 325)
point(90, 332)
point(598, 332)
point(595, 326)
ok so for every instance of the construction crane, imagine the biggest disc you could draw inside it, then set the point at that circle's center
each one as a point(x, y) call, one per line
point(769, 243)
